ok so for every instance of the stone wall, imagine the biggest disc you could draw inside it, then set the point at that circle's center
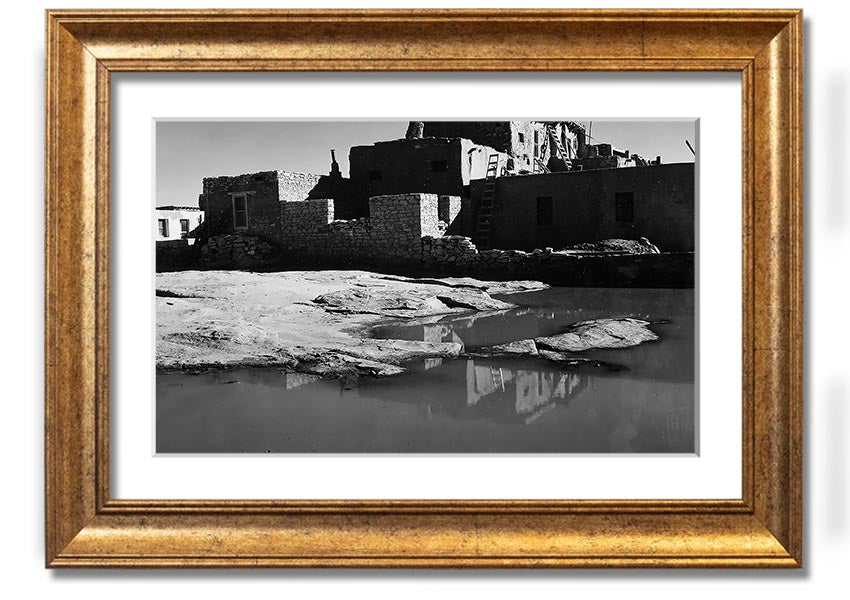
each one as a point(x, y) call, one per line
point(294, 186)
point(237, 250)
point(263, 205)
point(265, 191)
point(448, 211)
point(457, 255)
point(405, 235)
point(176, 255)
point(584, 208)
point(392, 235)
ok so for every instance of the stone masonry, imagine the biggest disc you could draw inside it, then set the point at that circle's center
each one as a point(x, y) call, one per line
point(391, 235)
point(405, 232)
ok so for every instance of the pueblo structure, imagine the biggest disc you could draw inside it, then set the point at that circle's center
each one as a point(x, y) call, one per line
point(501, 200)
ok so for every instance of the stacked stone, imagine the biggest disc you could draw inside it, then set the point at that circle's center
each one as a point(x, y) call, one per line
point(449, 250)
point(237, 250)
point(304, 225)
point(294, 186)
point(226, 183)
point(496, 258)
point(349, 239)
point(398, 224)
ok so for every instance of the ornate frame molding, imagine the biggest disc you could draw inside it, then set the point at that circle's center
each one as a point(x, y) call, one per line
point(87, 528)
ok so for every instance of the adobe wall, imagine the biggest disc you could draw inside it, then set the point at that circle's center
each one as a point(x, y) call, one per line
point(413, 167)
point(173, 216)
point(583, 208)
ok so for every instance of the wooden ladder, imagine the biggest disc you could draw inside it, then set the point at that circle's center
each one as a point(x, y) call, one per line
point(485, 211)
point(553, 133)
point(498, 378)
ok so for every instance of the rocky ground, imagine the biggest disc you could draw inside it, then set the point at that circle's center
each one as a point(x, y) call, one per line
point(306, 321)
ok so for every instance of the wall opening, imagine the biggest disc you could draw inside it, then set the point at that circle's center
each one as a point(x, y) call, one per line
point(544, 210)
point(439, 166)
point(624, 207)
point(240, 211)
point(162, 225)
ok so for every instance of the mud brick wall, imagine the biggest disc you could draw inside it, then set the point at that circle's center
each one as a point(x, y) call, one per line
point(496, 134)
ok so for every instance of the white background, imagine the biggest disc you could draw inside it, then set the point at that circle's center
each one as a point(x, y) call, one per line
point(714, 473)
point(827, 542)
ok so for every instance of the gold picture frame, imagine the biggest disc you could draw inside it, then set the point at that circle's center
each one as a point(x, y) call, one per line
point(85, 527)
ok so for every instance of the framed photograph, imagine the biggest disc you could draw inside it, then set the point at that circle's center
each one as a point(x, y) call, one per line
point(424, 288)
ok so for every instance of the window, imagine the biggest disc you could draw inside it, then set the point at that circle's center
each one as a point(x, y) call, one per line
point(521, 138)
point(624, 207)
point(184, 228)
point(240, 211)
point(162, 224)
point(536, 143)
point(439, 166)
point(376, 176)
point(544, 210)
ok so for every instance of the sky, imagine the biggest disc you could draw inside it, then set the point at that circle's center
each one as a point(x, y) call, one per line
point(188, 151)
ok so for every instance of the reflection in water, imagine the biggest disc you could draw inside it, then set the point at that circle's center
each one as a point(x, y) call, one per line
point(531, 391)
point(463, 405)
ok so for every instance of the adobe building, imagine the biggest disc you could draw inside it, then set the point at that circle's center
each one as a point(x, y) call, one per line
point(251, 203)
point(568, 208)
point(177, 222)
point(539, 146)
point(473, 196)
point(430, 165)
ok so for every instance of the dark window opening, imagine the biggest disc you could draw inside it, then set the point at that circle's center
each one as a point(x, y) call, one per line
point(544, 210)
point(240, 211)
point(521, 138)
point(184, 228)
point(624, 207)
point(376, 176)
point(439, 166)
point(162, 225)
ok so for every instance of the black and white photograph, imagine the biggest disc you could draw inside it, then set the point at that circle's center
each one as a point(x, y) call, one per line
point(424, 286)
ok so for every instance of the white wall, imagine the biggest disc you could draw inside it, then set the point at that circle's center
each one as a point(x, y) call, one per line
point(827, 79)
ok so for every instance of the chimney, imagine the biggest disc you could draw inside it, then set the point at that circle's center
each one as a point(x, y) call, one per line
point(335, 172)
point(415, 130)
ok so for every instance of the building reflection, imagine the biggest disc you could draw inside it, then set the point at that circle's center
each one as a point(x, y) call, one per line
point(530, 393)
point(486, 389)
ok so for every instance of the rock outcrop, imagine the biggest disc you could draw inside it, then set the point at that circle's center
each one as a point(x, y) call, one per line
point(579, 337)
point(407, 303)
point(314, 322)
point(599, 333)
